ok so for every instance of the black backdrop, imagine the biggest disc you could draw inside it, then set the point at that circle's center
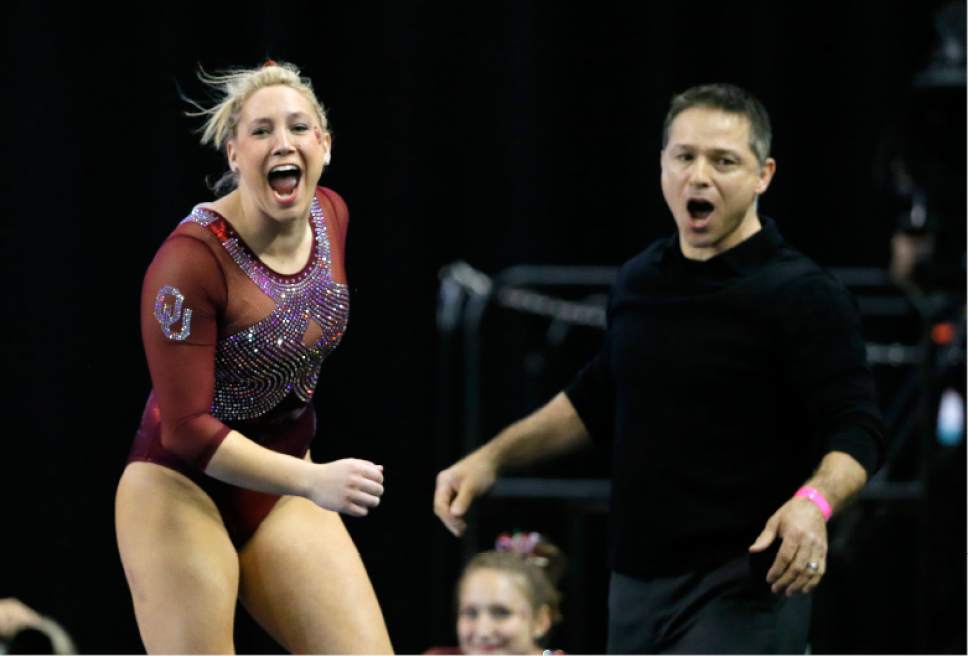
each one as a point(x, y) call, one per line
point(498, 133)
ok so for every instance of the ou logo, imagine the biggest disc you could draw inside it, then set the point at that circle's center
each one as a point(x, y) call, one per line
point(168, 312)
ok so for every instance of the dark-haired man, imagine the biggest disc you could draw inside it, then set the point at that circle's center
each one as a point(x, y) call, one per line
point(733, 389)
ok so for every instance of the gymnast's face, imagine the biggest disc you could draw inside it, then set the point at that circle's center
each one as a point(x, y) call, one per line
point(279, 149)
point(495, 615)
point(711, 180)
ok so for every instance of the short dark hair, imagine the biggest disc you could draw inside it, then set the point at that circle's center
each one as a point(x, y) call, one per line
point(727, 98)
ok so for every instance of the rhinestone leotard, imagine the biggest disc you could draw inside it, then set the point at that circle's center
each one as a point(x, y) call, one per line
point(232, 344)
point(256, 368)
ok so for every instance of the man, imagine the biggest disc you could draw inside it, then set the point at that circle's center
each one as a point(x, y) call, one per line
point(733, 389)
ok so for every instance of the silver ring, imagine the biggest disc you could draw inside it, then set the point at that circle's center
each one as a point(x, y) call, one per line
point(813, 567)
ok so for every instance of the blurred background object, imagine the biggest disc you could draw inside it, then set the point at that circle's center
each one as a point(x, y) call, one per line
point(24, 631)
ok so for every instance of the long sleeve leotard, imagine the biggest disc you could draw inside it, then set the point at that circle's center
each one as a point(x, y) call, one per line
point(232, 344)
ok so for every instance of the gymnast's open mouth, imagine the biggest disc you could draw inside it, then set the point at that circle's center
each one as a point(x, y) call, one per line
point(284, 178)
point(284, 181)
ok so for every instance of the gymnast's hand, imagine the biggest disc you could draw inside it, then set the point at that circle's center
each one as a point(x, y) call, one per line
point(459, 485)
point(348, 486)
point(802, 558)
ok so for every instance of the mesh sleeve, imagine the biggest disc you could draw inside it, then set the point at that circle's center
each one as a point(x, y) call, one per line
point(340, 222)
point(180, 300)
point(342, 213)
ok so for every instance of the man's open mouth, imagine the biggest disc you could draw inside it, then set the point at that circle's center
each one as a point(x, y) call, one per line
point(699, 209)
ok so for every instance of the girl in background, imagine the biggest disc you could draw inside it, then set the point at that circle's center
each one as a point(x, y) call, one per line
point(507, 599)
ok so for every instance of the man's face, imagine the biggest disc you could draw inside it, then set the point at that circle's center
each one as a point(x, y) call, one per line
point(711, 179)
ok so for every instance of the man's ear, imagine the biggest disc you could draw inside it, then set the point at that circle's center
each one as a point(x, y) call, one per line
point(767, 171)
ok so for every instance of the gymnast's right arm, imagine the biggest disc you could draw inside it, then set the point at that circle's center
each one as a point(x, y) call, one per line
point(183, 295)
point(552, 430)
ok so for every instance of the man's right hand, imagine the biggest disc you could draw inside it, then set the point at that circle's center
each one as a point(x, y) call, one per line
point(459, 485)
point(551, 430)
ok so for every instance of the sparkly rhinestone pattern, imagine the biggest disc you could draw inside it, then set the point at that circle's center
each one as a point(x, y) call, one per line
point(168, 314)
point(257, 367)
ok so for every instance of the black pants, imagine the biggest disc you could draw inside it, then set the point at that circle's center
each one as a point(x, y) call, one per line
point(725, 610)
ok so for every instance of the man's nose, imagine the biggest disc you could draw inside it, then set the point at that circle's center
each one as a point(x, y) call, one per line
point(699, 173)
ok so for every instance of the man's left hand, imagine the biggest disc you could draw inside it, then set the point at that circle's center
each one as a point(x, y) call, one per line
point(802, 558)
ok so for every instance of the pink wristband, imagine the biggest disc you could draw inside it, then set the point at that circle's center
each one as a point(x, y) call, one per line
point(813, 494)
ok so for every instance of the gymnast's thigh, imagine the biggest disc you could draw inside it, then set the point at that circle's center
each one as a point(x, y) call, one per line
point(303, 580)
point(181, 567)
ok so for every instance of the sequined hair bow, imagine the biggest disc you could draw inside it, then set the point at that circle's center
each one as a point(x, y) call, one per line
point(523, 544)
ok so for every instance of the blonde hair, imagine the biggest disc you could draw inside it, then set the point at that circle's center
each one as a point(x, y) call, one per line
point(232, 88)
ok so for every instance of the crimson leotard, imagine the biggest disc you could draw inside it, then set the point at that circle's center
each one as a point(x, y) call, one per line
point(232, 344)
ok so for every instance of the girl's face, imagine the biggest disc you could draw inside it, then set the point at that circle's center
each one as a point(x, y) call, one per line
point(495, 616)
point(279, 152)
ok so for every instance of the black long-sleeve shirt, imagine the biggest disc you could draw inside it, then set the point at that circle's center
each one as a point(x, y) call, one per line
point(721, 385)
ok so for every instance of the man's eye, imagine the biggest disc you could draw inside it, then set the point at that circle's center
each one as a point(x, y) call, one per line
point(684, 157)
point(726, 161)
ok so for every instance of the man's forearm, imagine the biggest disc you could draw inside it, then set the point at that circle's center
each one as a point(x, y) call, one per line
point(838, 478)
point(552, 430)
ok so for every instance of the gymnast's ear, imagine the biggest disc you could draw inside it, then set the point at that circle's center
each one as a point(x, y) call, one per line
point(230, 155)
point(327, 142)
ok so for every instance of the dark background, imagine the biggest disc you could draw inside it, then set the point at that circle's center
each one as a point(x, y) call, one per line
point(499, 133)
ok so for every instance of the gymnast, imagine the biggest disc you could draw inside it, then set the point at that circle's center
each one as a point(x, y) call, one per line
point(220, 500)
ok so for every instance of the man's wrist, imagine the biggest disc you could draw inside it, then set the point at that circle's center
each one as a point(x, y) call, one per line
point(490, 456)
point(817, 498)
